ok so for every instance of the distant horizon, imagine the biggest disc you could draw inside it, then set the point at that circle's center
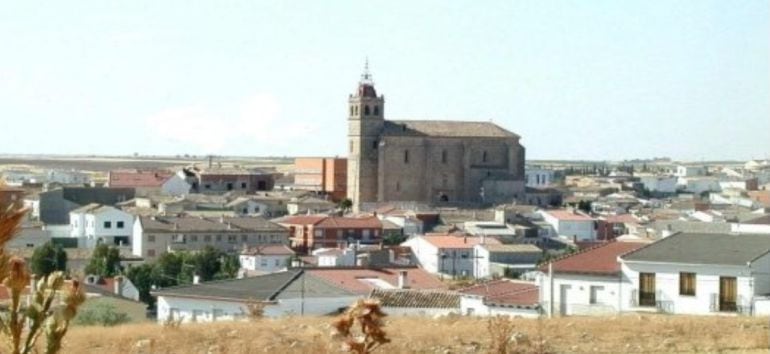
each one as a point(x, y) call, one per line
point(577, 80)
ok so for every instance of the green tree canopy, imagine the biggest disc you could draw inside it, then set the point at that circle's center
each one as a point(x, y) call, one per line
point(47, 259)
point(105, 261)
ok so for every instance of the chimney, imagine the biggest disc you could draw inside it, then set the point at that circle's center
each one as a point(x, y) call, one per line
point(402, 280)
point(118, 285)
point(196, 279)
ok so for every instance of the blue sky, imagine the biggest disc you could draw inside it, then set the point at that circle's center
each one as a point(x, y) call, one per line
point(576, 79)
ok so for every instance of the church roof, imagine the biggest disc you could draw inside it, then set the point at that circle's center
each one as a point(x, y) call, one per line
point(444, 128)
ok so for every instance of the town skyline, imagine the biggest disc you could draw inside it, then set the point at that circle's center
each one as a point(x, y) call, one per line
point(576, 81)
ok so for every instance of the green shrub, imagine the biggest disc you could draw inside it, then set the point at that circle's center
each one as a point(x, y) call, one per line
point(101, 314)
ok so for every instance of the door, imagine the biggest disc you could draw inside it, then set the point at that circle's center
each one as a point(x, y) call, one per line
point(728, 293)
point(646, 289)
point(563, 295)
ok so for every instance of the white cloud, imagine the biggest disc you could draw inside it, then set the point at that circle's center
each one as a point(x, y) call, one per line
point(220, 130)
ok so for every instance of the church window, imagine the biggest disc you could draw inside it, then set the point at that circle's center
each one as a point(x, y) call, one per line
point(406, 156)
point(366, 110)
point(443, 156)
point(484, 156)
point(351, 110)
point(376, 110)
point(355, 110)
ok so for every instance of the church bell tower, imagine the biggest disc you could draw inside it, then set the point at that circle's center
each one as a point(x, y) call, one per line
point(365, 123)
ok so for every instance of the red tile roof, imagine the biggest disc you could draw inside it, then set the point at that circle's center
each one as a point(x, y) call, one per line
point(354, 279)
point(600, 260)
point(506, 292)
point(322, 221)
point(567, 215)
point(134, 179)
point(451, 241)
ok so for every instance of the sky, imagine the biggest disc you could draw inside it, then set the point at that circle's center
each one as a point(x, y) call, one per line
point(603, 80)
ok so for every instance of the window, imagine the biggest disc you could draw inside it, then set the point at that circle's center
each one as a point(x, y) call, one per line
point(351, 146)
point(484, 156)
point(207, 186)
point(374, 144)
point(366, 110)
point(406, 156)
point(150, 253)
point(351, 110)
point(193, 238)
point(243, 185)
point(219, 238)
point(119, 224)
point(263, 262)
point(244, 238)
point(355, 110)
point(232, 239)
point(150, 238)
point(207, 238)
point(108, 224)
point(443, 156)
point(376, 110)
point(687, 284)
point(277, 262)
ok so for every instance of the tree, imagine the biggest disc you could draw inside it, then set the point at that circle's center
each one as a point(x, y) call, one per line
point(393, 239)
point(345, 204)
point(205, 264)
point(47, 259)
point(142, 277)
point(105, 261)
point(230, 267)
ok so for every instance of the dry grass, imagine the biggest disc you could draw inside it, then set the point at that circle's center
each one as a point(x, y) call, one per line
point(622, 334)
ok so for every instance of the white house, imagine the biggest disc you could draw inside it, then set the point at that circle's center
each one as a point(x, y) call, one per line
point(266, 258)
point(690, 171)
point(447, 254)
point(539, 178)
point(335, 257)
point(501, 297)
point(699, 185)
point(659, 184)
point(699, 274)
point(586, 283)
point(493, 260)
point(95, 223)
point(571, 224)
point(147, 182)
point(67, 177)
point(293, 292)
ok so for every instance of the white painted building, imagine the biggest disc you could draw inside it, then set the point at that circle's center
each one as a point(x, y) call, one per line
point(288, 293)
point(67, 177)
point(659, 184)
point(335, 257)
point(446, 254)
point(698, 185)
point(700, 274)
point(690, 171)
point(539, 178)
point(96, 223)
point(495, 260)
point(267, 258)
point(586, 283)
point(570, 224)
point(501, 298)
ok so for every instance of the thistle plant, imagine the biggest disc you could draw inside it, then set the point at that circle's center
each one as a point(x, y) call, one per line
point(367, 316)
point(51, 305)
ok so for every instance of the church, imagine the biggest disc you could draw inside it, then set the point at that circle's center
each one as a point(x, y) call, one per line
point(435, 162)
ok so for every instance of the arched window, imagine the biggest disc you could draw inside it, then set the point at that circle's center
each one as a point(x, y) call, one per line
point(484, 156)
point(443, 156)
point(406, 156)
point(351, 110)
point(355, 110)
point(376, 110)
point(366, 110)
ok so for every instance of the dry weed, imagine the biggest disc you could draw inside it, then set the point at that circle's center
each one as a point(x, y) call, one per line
point(367, 315)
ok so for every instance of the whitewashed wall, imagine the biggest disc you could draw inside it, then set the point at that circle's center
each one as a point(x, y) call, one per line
point(474, 306)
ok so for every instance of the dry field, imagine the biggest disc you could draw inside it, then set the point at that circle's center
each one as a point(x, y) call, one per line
point(623, 334)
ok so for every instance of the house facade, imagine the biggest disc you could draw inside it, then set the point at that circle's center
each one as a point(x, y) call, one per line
point(147, 182)
point(96, 223)
point(700, 274)
point(447, 254)
point(309, 232)
point(571, 224)
point(155, 235)
point(267, 258)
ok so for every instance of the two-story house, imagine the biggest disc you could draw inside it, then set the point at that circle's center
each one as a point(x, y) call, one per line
point(95, 223)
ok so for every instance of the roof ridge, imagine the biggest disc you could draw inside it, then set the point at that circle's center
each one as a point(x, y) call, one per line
point(650, 244)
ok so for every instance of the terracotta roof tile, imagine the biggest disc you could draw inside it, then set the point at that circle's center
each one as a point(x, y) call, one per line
point(416, 298)
point(506, 292)
point(357, 280)
point(600, 260)
point(133, 179)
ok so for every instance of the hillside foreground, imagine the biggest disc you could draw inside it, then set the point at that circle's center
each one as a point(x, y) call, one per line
point(620, 334)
